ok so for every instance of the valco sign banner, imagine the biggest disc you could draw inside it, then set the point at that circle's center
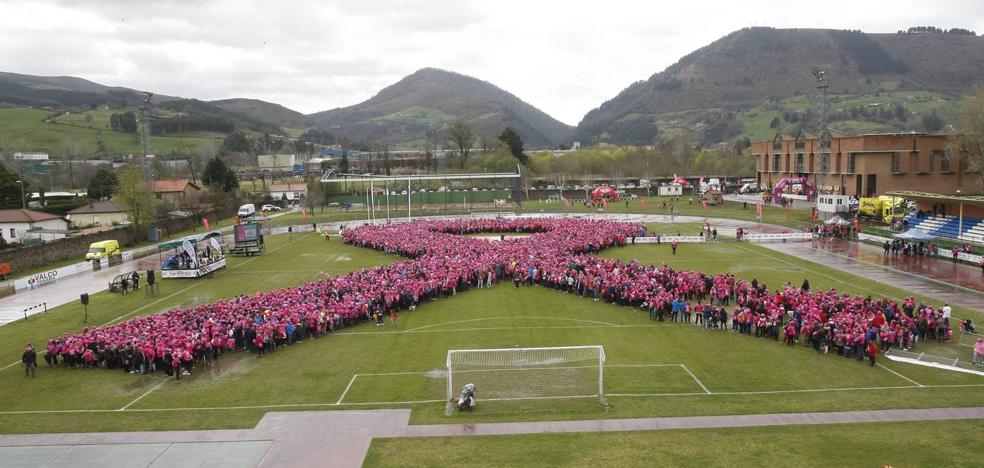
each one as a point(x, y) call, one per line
point(41, 279)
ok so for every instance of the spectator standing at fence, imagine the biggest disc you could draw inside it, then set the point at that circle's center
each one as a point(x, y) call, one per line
point(30, 360)
point(136, 280)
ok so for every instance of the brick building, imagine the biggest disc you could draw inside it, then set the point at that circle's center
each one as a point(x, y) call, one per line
point(868, 165)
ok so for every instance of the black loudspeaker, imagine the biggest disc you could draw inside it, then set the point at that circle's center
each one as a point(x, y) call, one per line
point(85, 298)
point(150, 277)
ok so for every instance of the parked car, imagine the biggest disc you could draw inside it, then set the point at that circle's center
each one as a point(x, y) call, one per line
point(270, 208)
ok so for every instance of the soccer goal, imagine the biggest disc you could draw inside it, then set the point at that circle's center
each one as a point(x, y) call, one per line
point(528, 373)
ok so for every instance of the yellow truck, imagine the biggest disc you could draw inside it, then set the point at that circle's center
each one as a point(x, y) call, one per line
point(884, 208)
point(103, 249)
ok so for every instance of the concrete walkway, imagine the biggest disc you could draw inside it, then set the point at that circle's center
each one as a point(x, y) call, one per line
point(342, 438)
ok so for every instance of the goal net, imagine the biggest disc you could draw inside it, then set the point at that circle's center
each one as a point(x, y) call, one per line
point(528, 373)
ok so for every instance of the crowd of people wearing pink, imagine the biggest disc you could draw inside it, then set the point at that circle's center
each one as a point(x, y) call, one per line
point(557, 253)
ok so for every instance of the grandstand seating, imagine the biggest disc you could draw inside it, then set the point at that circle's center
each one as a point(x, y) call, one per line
point(973, 228)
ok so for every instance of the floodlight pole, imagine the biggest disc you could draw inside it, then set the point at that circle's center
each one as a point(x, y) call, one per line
point(23, 200)
point(823, 133)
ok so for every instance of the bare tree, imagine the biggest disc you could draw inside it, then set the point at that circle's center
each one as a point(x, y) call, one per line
point(968, 141)
point(461, 138)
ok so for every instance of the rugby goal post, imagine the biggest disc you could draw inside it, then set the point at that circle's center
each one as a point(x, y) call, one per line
point(528, 373)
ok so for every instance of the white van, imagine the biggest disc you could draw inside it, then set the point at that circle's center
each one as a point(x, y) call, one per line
point(247, 210)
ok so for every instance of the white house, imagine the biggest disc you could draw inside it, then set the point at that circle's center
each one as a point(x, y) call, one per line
point(294, 192)
point(276, 162)
point(18, 225)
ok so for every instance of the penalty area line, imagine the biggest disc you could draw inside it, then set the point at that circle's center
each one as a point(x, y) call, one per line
point(310, 405)
point(898, 374)
point(162, 382)
point(696, 379)
point(347, 387)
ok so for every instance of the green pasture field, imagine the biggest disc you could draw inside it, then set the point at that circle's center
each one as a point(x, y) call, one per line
point(653, 368)
point(25, 128)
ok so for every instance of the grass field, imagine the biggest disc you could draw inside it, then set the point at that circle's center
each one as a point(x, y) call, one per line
point(732, 374)
point(927, 443)
point(26, 130)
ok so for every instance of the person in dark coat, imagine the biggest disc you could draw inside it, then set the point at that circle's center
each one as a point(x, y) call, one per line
point(30, 360)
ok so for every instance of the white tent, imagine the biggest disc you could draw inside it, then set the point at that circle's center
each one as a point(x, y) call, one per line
point(837, 220)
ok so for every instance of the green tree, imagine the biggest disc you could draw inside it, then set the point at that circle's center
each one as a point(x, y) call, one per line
point(900, 113)
point(237, 142)
point(102, 184)
point(343, 165)
point(135, 197)
point(461, 138)
point(10, 189)
point(218, 175)
point(932, 122)
point(515, 144)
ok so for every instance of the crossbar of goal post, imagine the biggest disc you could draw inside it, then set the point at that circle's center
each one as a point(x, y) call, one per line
point(518, 359)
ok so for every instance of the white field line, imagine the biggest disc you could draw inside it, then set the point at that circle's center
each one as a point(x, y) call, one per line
point(347, 387)
point(8, 366)
point(801, 267)
point(302, 405)
point(642, 365)
point(695, 379)
point(144, 394)
point(898, 374)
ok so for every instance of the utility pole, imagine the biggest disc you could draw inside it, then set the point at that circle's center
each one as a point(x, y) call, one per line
point(823, 133)
point(145, 131)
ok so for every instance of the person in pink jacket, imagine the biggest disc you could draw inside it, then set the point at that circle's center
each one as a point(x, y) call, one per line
point(979, 352)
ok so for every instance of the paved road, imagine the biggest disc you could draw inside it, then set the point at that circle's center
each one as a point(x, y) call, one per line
point(342, 438)
point(68, 289)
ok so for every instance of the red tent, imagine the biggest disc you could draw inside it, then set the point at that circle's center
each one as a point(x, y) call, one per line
point(605, 191)
point(677, 180)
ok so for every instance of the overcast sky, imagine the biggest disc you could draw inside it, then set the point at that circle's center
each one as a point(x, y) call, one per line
point(565, 57)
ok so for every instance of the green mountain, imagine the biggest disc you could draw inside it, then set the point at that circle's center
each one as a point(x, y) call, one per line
point(423, 103)
point(64, 91)
point(264, 111)
point(756, 81)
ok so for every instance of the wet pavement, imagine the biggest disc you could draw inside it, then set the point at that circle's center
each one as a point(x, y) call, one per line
point(941, 279)
point(937, 268)
point(68, 289)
